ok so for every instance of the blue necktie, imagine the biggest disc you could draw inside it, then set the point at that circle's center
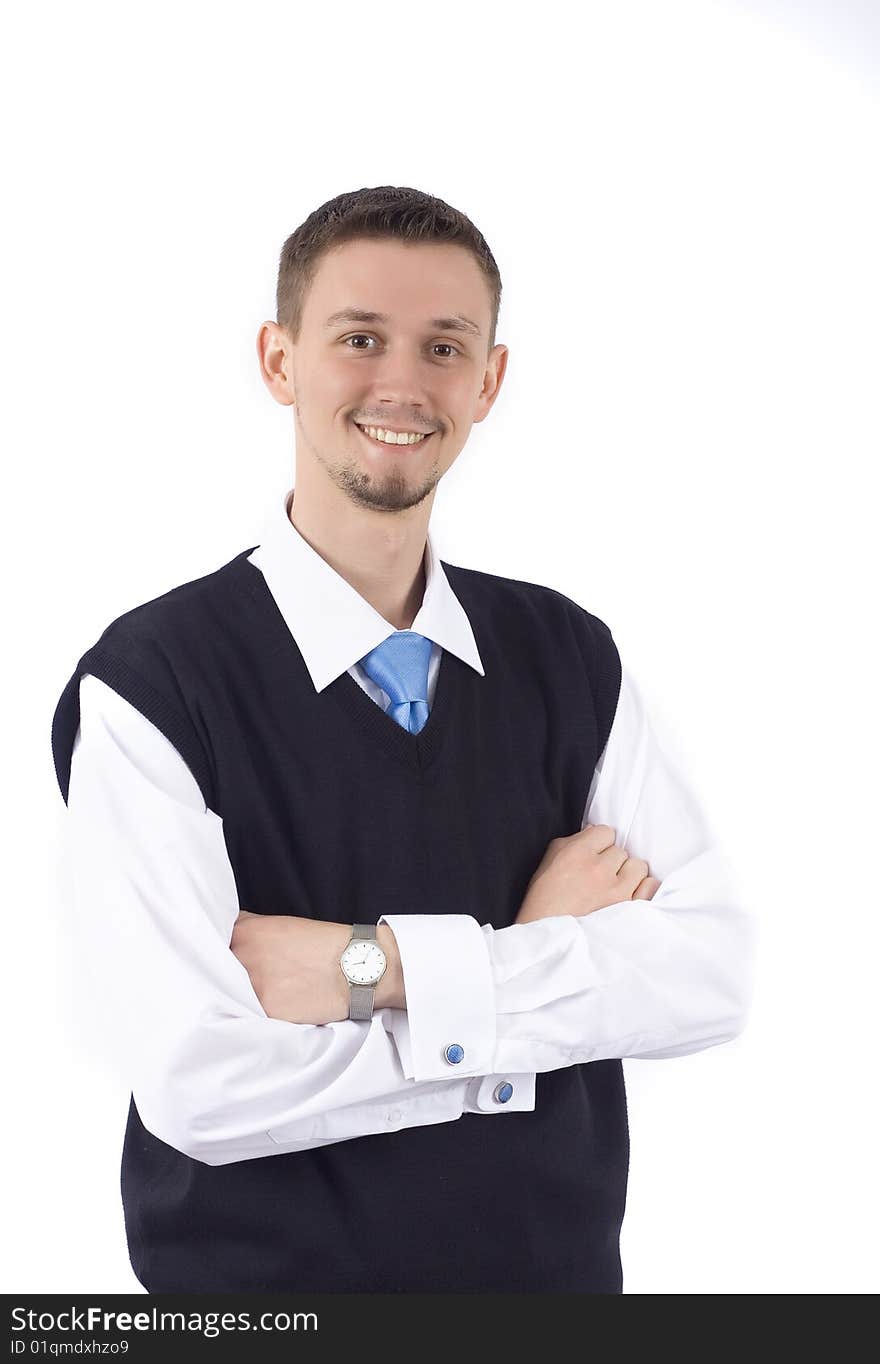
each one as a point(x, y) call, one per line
point(399, 665)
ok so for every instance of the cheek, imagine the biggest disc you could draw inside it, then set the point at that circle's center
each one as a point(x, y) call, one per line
point(458, 396)
point(329, 387)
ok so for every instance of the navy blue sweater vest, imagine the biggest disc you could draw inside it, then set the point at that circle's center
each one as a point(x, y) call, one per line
point(332, 810)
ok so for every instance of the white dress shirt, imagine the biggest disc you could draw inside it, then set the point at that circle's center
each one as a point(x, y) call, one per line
point(215, 1077)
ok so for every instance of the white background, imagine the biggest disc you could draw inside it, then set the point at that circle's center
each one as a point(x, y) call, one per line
point(683, 203)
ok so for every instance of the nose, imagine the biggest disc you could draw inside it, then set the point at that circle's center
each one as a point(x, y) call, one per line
point(398, 391)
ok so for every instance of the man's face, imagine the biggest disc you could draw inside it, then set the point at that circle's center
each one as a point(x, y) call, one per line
point(415, 368)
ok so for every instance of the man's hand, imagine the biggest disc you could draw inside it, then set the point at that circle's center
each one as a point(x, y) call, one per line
point(293, 964)
point(583, 873)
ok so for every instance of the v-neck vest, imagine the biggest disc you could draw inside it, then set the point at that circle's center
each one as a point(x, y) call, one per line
point(333, 811)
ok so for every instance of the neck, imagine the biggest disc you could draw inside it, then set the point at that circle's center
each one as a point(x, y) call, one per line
point(381, 554)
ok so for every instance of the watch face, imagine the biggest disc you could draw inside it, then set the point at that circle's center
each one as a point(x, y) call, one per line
point(363, 962)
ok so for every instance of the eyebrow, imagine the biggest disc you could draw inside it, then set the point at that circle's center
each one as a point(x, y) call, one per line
point(443, 324)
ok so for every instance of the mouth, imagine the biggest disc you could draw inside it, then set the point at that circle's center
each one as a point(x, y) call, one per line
point(405, 447)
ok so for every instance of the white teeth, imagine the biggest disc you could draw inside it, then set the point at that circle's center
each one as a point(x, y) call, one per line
point(392, 437)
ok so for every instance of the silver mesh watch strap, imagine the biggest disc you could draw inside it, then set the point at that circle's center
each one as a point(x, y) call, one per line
point(362, 996)
point(361, 1004)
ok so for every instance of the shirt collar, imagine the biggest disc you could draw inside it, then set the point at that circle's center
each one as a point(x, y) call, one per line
point(332, 624)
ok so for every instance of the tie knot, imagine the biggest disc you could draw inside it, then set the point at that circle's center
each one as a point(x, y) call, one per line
point(399, 665)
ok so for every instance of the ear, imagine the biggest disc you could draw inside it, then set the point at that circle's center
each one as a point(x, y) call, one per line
point(274, 353)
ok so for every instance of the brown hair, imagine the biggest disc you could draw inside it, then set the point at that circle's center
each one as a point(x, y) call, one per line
point(383, 211)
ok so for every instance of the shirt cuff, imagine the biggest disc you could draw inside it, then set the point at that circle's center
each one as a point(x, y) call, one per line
point(505, 1092)
point(448, 1028)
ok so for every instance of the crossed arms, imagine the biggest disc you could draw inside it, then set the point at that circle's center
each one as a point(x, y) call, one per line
point(182, 979)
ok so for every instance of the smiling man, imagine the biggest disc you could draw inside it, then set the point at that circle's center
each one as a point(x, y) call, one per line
point(380, 869)
point(386, 381)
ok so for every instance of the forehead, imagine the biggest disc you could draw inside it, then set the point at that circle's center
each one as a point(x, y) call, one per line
point(405, 282)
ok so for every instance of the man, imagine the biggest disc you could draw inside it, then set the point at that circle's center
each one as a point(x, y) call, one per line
point(382, 867)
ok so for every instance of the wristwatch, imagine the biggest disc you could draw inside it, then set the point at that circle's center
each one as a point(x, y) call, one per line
point(363, 964)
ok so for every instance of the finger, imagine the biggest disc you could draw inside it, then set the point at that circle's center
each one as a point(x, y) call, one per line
point(646, 889)
point(601, 836)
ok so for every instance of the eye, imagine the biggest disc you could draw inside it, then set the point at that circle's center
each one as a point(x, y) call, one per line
point(358, 336)
point(363, 336)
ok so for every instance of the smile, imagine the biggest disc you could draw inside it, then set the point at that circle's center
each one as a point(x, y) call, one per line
point(376, 435)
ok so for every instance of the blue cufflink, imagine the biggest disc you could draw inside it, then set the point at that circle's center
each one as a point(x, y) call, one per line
point(454, 1053)
point(503, 1092)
